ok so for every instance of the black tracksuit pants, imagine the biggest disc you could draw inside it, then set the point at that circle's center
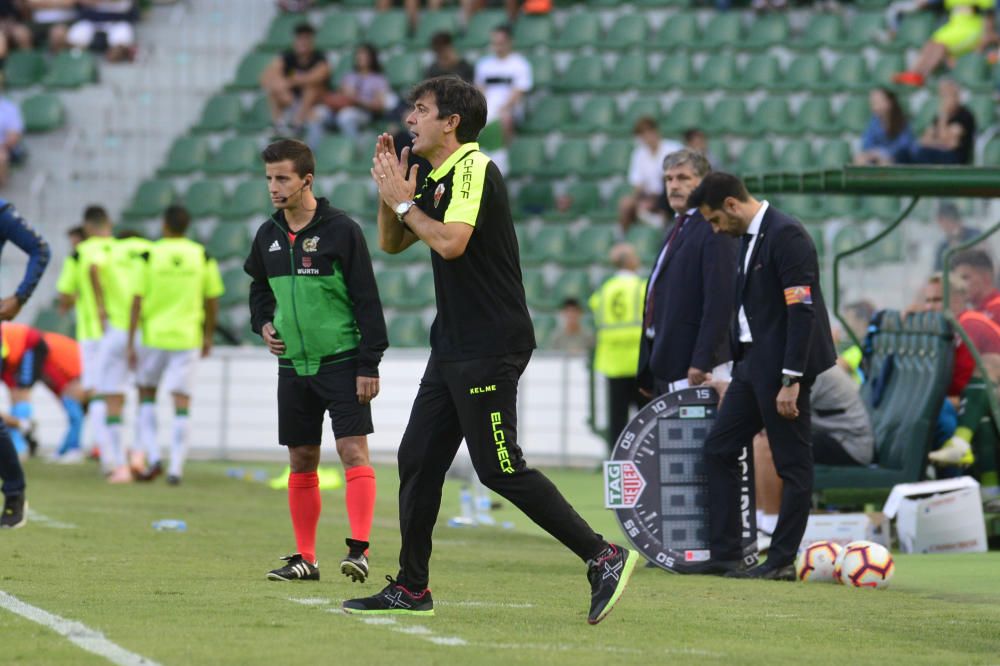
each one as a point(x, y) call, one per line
point(477, 400)
point(10, 467)
point(623, 393)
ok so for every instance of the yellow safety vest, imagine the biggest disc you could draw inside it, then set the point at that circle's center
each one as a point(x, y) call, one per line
point(618, 308)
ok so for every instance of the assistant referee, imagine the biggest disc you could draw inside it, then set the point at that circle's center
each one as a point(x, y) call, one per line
point(481, 342)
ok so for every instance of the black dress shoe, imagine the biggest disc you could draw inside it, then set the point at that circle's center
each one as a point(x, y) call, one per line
point(766, 571)
point(720, 567)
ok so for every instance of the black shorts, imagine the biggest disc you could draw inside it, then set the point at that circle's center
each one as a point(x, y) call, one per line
point(303, 400)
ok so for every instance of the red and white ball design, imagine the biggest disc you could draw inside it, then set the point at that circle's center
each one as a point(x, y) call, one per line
point(815, 563)
point(865, 564)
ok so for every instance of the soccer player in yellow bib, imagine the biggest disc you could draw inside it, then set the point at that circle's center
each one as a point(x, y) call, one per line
point(970, 27)
point(176, 303)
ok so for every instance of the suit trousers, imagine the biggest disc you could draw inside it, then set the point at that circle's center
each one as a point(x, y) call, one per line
point(477, 400)
point(623, 393)
point(749, 405)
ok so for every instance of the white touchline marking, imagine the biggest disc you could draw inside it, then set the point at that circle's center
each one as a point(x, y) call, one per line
point(75, 632)
point(447, 640)
point(484, 604)
point(378, 620)
point(416, 630)
point(42, 519)
point(310, 602)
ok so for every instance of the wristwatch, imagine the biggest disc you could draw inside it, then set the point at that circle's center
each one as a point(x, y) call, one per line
point(403, 208)
point(788, 380)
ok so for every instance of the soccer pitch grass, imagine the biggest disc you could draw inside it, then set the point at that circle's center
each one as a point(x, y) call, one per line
point(90, 555)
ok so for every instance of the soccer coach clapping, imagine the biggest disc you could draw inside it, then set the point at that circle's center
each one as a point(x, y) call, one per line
point(780, 341)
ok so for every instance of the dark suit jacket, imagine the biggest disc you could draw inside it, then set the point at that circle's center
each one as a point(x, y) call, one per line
point(693, 305)
point(792, 336)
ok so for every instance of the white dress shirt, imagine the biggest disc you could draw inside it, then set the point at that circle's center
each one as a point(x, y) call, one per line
point(754, 231)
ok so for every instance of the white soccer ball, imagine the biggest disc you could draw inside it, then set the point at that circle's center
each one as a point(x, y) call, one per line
point(865, 564)
point(815, 563)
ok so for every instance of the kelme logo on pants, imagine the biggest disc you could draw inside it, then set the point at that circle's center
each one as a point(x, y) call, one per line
point(500, 439)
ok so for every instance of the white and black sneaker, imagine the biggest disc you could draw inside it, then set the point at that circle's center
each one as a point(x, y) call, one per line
point(15, 512)
point(355, 565)
point(298, 568)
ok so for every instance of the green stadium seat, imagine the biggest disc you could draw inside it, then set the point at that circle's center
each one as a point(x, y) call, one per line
point(205, 198)
point(393, 287)
point(150, 199)
point(23, 69)
point(647, 241)
point(584, 73)
point(850, 72)
point(536, 289)
point(843, 207)
point(757, 155)
point(353, 197)
point(683, 115)
point(256, 118)
point(628, 31)
point(608, 212)
point(728, 116)
point(571, 284)
point(720, 72)
point(548, 115)
point(188, 154)
point(548, 244)
point(598, 114)
point(864, 30)
point(545, 325)
point(984, 109)
point(833, 155)
point(421, 293)
point(973, 72)
point(403, 70)
point(250, 199)
point(772, 116)
point(570, 157)
point(581, 29)
point(535, 199)
point(815, 116)
point(235, 155)
point(42, 113)
point(387, 29)
point(887, 66)
point(805, 72)
point(249, 70)
point(767, 32)
point(817, 233)
point(477, 34)
point(71, 70)
point(885, 209)
point(914, 30)
point(335, 153)
point(408, 330)
point(237, 285)
point(584, 198)
point(822, 30)
point(491, 137)
point(533, 31)
point(723, 30)
point(627, 73)
point(674, 71)
point(679, 31)
point(431, 23)
point(640, 107)
point(590, 247)
point(221, 112)
point(615, 155)
point(991, 153)
point(761, 72)
point(543, 69)
point(805, 207)
point(855, 114)
point(280, 34)
point(339, 31)
point(526, 156)
point(228, 241)
point(51, 320)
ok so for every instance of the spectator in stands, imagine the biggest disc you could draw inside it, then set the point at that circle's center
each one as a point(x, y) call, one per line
point(12, 150)
point(974, 267)
point(955, 232)
point(888, 135)
point(572, 336)
point(645, 174)
point(50, 21)
point(696, 139)
point(505, 77)
point(363, 95)
point(951, 136)
point(105, 25)
point(13, 27)
point(295, 81)
point(447, 60)
point(970, 27)
point(469, 7)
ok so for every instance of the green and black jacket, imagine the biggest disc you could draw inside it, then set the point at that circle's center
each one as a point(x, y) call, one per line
point(318, 288)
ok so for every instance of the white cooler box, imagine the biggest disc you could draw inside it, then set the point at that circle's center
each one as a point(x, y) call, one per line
point(844, 528)
point(938, 516)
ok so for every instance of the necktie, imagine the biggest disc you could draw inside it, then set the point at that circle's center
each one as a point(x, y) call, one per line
point(647, 319)
point(744, 248)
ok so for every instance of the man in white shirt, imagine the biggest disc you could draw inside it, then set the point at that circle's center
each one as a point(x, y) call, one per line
point(112, 17)
point(50, 21)
point(645, 175)
point(505, 78)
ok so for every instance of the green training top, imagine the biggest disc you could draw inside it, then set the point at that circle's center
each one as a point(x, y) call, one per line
point(75, 281)
point(177, 278)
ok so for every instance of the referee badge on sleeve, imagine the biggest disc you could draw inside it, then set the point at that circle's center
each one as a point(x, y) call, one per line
point(796, 295)
point(438, 193)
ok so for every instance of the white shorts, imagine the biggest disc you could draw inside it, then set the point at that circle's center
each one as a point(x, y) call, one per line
point(113, 362)
point(169, 370)
point(90, 356)
point(81, 34)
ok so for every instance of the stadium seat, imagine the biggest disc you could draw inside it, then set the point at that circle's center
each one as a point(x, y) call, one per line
point(984, 109)
point(250, 199)
point(393, 287)
point(570, 157)
point(816, 117)
point(797, 155)
point(644, 106)
point(973, 72)
point(991, 153)
point(674, 71)
point(719, 72)
point(679, 31)
point(237, 285)
point(885, 209)
point(50, 319)
point(914, 30)
point(590, 247)
point(339, 31)
point(886, 67)
point(534, 199)
point(571, 284)
point(598, 113)
point(728, 116)
point(833, 155)
point(805, 207)
point(761, 72)
point(403, 70)
point(864, 30)
point(545, 325)
point(408, 330)
point(722, 31)
point(205, 198)
point(686, 113)
point(477, 34)
point(533, 31)
point(773, 116)
point(822, 30)
point(542, 70)
point(854, 115)
point(188, 154)
point(627, 73)
point(804, 73)
point(614, 159)
point(584, 199)
point(71, 69)
point(257, 118)
point(628, 31)
point(581, 29)
point(334, 153)
point(757, 155)
point(432, 22)
point(353, 197)
point(526, 156)
point(280, 33)
point(235, 155)
point(548, 244)
point(23, 69)
point(387, 29)
point(536, 289)
point(150, 199)
point(850, 72)
point(42, 113)
point(229, 241)
point(421, 293)
point(221, 112)
point(549, 114)
point(767, 32)
point(584, 73)
point(647, 241)
point(249, 70)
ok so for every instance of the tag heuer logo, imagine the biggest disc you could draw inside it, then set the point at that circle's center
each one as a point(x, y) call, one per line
point(438, 193)
point(275, 247)
point(310, 244)
point(623, 484)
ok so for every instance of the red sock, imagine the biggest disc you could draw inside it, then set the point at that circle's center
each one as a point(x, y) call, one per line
point(360, 498)
point(305, 504)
